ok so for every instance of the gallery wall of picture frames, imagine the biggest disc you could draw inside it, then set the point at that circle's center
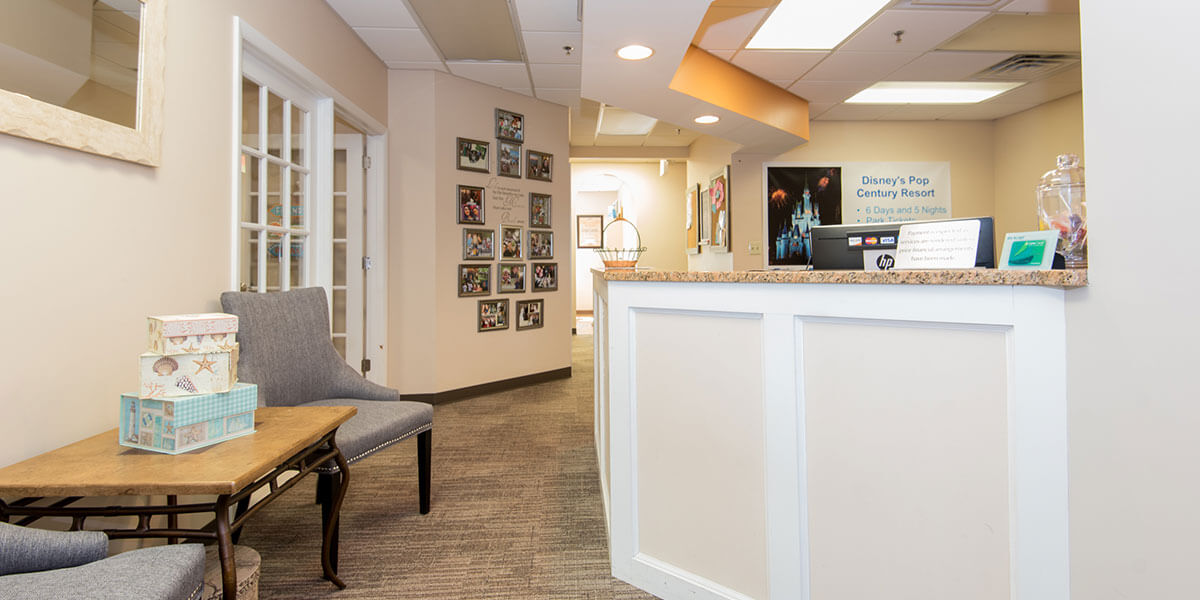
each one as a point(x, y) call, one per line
point(495, 255)
point(708, 210)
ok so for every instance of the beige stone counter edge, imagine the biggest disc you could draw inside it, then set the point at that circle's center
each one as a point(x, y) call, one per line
point(1071, 278)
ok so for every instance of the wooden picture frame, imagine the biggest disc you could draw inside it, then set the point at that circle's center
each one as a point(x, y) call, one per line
point(539, 165)
point(545, 277)
point(530, 314)
point(589, 231)
point(474, 280)
point(479, 244)
point(511, 278)
point(691, 202)
point(541, 244)
point(512, 242)
point(470, 205)
point(472, 155)
point(492, 315)
point(508, 159)
point(510, 126)
point(539, 210)
point(719, 211)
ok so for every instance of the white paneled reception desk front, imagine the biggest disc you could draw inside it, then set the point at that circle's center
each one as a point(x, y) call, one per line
point(830, 436)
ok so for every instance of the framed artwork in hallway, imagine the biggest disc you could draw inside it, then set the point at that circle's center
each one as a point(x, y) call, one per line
point(472, 155)
point(529, 314)
point(493, 315)
point(474, 280)
point(540, 165)
point(510, 126)
point(545, 277)
point(539, 210)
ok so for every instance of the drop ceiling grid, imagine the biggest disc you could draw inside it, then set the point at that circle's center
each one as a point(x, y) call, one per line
point(923, 30)
point(398, 44)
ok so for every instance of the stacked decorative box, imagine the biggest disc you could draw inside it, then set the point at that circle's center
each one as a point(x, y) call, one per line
point(188, 396)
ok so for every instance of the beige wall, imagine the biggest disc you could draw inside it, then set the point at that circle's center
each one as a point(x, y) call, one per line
point(654, 203)
point(94, 245)
point(433, 338)
point(707, 156)
point(1027, 144)
point(1132, 332)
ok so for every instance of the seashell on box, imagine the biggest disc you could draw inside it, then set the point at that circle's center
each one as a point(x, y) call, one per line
point(186, 374)
point(182, 334)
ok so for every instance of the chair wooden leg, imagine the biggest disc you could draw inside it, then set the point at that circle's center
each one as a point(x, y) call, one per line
point(424, 449)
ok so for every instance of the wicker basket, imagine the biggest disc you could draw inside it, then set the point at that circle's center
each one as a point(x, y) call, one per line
point(621, 258)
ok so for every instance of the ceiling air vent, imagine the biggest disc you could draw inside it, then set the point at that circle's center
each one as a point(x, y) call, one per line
point(1027, 67)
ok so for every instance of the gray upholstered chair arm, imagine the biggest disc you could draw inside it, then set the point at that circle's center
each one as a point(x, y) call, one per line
point(173, 572)
point(345, 382)
point(25, 550)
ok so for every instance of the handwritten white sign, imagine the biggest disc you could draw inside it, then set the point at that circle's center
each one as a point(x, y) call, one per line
point(944, 245)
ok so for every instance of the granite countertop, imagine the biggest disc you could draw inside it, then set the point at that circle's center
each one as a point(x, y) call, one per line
point(1071, 278)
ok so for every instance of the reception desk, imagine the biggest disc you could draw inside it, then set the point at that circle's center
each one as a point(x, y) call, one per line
point(835, 435)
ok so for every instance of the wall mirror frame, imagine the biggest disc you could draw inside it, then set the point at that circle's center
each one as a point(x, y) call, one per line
point(25, 117)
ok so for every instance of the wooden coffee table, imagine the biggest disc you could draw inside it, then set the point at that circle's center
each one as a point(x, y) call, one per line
point(288, 439)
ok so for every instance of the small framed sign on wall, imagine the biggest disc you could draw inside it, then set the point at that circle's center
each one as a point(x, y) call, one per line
point(589, 231)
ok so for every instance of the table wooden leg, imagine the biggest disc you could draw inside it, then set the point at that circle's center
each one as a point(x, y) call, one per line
point(330, 511)
point(225, 549)
point(172, 519)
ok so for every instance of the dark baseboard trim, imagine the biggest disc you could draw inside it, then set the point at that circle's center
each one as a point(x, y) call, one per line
point(489, 388)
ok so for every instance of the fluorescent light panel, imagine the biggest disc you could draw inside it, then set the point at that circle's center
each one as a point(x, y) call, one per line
point(931, 92)
point(813, 24)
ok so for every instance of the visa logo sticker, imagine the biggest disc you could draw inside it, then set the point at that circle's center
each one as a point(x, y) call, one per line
point(889, 239)
point(871, 241)
point(854, 241)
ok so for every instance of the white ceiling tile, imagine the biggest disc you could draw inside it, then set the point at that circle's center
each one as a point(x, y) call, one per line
point(946, 66)
point(923, 30)
point(565, 97)
point(547, 47)
point(733, 27)
point(850, 112)
point(816, 109)
point(670, 141)
point(405, 65)
point(1070, 7)
point(360, 13)
point(620, 140)
point(548, 15)
point(724, 55)
point(913, 112)
point(1045, 90)
point(858, 66)
point(986, 111)
point(827, 91)
point(778, 64)
point(555, 76)
point(499, 74)
point(398, 44)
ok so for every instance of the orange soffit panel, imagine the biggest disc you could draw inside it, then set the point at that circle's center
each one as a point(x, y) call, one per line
point(708, 78)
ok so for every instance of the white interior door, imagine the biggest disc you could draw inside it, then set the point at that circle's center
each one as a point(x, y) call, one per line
point(349, 226)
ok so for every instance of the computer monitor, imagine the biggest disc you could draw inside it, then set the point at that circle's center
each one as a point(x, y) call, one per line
point(833, 248)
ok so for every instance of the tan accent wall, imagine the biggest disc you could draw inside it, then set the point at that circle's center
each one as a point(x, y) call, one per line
point(93, 245)
point(433, 337)
point(708, 156)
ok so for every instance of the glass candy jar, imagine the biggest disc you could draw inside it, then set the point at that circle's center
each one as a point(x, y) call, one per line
point(1063, 208)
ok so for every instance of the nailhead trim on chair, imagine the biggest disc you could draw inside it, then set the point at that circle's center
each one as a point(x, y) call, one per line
point(405, 436)
point(195, 595)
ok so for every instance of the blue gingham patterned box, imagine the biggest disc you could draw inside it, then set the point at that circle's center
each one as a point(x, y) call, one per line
point(175, 425)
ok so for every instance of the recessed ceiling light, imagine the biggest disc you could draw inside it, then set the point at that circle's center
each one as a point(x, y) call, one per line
point(635, 52)
point(707, 119)
point(931, 92)
point(813, 24)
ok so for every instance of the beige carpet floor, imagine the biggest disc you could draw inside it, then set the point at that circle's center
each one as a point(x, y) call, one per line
point(516, 509)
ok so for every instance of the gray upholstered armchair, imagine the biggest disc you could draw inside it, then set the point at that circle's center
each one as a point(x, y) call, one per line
point(37, 564)
point(285, 348)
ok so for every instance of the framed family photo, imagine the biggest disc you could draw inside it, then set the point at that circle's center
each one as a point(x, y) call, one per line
point(541, 244)
point(510, 126)
point(508, 159)
point(541, 165)
point(474, 280)
point(470, 205)
point(511, 243)
point(512, 278)
point(472, 155)
point(539, 210)
point(493, 315)
point(529, 313)
point(479, 244)
point(545, 277)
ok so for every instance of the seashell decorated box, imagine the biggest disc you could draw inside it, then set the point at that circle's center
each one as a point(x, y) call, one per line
point(188, 334)
point(174, 375)
point(175, 425)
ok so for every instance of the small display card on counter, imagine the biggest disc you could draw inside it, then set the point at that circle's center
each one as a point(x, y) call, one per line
point(940, 245)
point(1029, 250)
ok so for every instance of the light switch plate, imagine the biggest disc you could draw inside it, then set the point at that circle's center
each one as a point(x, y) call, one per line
point(756, 247)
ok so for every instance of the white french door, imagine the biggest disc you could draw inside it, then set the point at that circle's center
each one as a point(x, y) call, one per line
point(349, 220)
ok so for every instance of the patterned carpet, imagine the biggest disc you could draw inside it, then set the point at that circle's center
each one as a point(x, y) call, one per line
point(516, 509)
